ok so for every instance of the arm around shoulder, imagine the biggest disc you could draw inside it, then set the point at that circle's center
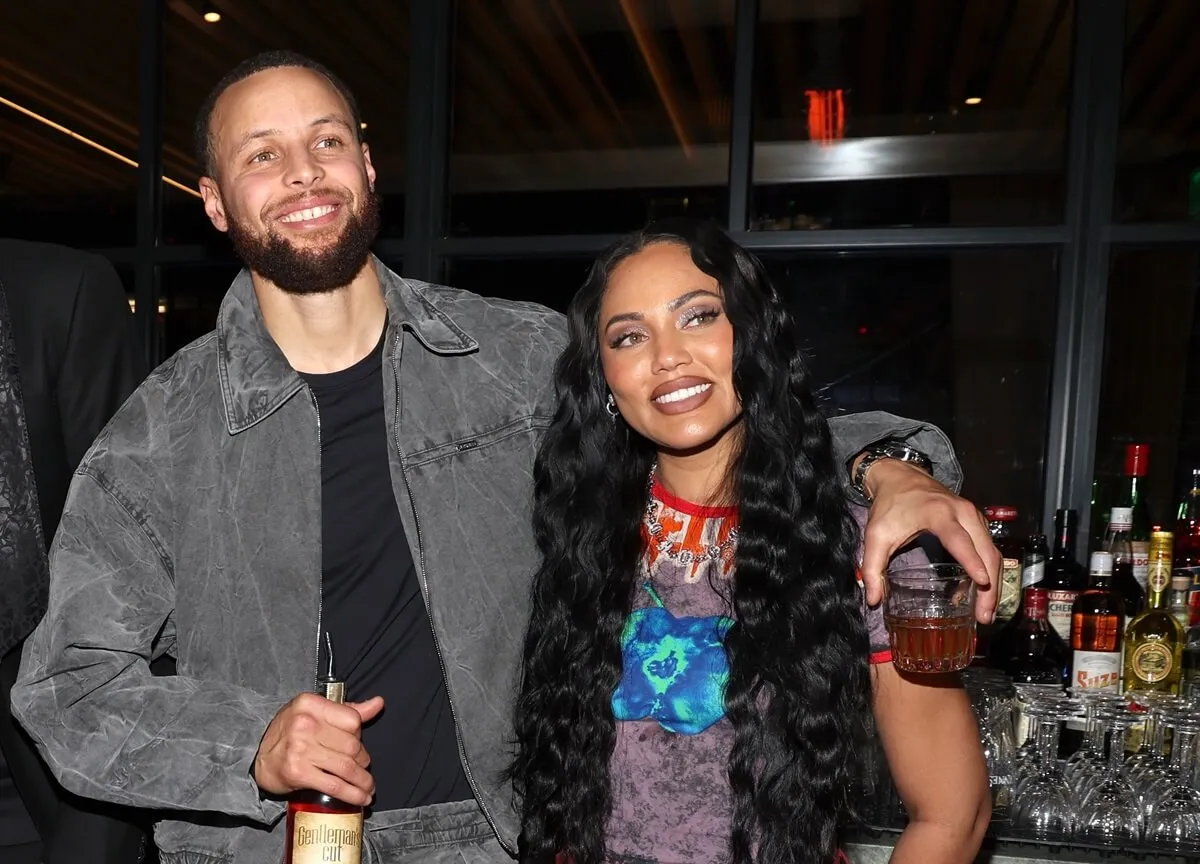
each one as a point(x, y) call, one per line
point(108, 728)
point(853, 433)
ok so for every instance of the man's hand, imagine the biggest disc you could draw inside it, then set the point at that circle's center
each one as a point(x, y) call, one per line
point(313, 743)
point(908, 502)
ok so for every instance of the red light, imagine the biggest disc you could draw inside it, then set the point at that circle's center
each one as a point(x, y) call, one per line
point(862, 331)
point(826, 115)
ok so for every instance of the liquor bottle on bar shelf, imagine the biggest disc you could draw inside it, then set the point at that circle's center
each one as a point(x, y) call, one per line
point(1187, 543)
point(1181, 586)
point(1119, 544)
point(1003, 643)
point(1001, 520)
point(1154, 639)
point(1132, 494)
point(1033, 562)
point(1000, 524)
point(1064, 578)
point(321, 828)
point(1190, 685)
point(1036, 654)
point(1096, 629)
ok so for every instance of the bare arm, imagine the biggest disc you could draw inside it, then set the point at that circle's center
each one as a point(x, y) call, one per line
point(931, 740)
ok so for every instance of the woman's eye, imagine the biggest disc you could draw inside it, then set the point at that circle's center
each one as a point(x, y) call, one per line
point(701, 316)
point(625, 339)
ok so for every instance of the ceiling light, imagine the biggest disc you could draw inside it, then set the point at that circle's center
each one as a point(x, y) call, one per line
point(211, 15)
point(973, 100)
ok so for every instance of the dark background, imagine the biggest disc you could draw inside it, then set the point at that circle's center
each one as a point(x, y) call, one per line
point(994, 226)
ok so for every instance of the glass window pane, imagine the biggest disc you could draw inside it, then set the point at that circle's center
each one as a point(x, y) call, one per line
point(578, 116)
point(1158, 172)
point(927, 336)
point(919, 335)
point(1151, 385)
point(365, 43)
point(189, 297)
point(68, 117)
point(876, 113)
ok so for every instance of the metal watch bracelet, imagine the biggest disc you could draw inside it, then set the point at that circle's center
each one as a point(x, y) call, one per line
point(886, 450)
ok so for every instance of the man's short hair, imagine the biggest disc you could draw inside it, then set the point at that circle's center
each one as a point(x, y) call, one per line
point(202, 132)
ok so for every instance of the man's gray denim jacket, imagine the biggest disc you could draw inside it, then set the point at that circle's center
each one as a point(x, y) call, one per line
point(193, 527)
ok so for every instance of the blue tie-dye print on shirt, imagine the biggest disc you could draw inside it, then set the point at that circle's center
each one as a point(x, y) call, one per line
point(675, 670)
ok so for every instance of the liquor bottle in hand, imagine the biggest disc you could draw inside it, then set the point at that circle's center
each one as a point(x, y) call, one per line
point(321, 828)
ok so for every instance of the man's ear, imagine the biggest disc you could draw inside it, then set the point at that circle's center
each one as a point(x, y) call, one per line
point(214, 205)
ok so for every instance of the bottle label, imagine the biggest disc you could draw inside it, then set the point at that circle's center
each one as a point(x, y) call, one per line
point(1152, 662)
point(1096, 670)
point(1058, 612)
point(1141, 561)
point(321, 837)
point(1032, 574)
point(1010, 589)
point(1158, 576)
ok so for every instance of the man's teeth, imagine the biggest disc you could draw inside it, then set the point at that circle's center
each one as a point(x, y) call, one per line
point(310, 213)
point(680, 395)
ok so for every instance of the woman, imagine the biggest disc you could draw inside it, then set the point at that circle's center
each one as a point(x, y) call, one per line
point(699, 677)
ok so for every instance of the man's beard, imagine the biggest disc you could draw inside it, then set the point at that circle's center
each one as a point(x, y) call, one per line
point(297, 270)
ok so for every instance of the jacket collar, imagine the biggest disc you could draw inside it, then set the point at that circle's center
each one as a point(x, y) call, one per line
point(256, 378)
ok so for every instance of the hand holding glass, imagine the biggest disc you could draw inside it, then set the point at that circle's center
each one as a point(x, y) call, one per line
point(930, 617)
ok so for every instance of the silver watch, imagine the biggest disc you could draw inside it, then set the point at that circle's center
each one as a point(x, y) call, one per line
point(888, 449)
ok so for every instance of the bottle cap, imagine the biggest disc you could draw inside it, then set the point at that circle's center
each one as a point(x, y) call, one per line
point(329, 685)
point(1137, 459)
point(1121, 518)
point(1101, 563)
point(1181, 582)
point(1000, 513)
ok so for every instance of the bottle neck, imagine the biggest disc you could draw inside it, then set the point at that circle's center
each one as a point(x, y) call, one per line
point(1119, 543)
point(1156, 600)
point(1035, 604)
point(1064, 540)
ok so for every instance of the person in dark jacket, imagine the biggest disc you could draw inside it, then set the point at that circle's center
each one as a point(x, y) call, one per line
point(69, 357)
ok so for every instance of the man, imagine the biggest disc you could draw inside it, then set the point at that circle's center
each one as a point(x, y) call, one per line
point(348, 453)
point(68, 358)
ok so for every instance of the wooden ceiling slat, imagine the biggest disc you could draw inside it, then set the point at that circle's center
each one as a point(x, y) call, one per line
point(1164, 57)
point(1050, 72)
point(528, 75)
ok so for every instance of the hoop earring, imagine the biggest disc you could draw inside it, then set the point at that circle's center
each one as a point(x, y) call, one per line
point(611, 407)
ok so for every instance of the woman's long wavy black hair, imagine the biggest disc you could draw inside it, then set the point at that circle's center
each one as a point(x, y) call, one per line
point(798, 694)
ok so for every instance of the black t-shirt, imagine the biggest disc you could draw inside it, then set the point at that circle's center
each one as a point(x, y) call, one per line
point(372, 604)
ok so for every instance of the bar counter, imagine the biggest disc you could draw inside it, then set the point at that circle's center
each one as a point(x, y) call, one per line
point(868, 846)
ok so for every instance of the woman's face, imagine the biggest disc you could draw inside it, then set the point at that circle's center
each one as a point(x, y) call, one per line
point(667, 349)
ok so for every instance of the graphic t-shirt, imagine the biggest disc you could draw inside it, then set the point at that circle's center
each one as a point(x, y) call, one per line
point(671, 797)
